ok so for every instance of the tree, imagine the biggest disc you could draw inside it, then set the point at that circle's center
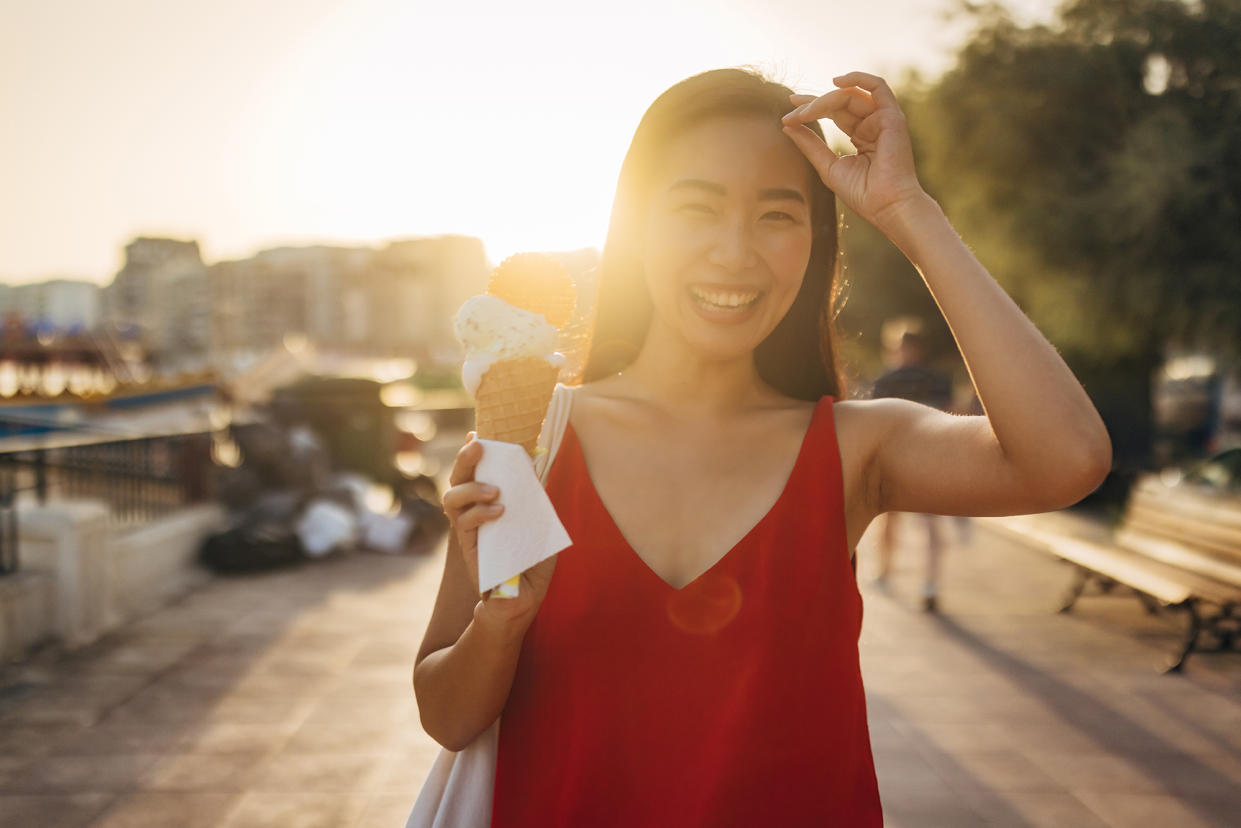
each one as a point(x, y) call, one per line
point(1094, 167)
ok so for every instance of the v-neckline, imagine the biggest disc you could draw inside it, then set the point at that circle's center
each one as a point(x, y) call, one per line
point(762, 521)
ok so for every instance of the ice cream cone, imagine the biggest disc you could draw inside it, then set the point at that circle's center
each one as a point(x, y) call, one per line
point(512, 400)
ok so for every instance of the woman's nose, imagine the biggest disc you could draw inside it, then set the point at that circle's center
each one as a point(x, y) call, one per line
point(732, 247)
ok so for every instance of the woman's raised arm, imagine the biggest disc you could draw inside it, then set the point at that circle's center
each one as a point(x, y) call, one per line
point(1041, 444)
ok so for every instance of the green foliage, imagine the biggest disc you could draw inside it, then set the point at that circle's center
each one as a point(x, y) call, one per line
point(1115, 186)
point(1094, 167)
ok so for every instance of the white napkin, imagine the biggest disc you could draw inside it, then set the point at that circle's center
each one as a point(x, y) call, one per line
point(529, 530)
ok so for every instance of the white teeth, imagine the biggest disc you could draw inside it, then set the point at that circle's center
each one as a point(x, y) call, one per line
point(724, 299)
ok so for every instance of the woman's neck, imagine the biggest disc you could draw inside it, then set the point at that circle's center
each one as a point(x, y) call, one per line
point(667, 371)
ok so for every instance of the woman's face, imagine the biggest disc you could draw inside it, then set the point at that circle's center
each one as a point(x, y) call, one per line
point(727, 236)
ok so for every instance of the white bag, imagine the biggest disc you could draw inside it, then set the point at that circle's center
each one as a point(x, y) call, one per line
point(461, 784)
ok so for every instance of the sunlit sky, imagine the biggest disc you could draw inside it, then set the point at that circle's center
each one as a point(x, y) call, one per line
point(248, 124)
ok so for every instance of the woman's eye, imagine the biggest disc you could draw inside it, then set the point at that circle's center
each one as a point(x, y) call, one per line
point(785, 215)
point(701, 207)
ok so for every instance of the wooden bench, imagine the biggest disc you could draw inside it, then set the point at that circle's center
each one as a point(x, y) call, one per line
point(1178, 549)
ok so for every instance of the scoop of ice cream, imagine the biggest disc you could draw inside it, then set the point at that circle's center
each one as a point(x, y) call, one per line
point(491, 329)
point(488, 325)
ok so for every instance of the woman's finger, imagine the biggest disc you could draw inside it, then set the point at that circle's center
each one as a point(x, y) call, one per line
point(459, 497)
point(853, 101)
point(873, 84)
point(820, 155)
point(477, 515)
point(467, 459)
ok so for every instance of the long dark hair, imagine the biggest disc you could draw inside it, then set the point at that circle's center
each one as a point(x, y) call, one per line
point(798, 358)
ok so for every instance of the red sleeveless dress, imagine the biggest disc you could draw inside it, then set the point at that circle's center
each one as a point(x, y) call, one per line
point(735, 701)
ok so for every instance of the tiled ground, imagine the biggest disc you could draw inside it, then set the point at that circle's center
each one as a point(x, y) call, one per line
point(285, 700)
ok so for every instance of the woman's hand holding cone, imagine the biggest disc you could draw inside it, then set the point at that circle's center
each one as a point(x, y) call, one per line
point(469, 504)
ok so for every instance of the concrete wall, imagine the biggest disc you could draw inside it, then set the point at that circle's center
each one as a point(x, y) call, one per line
point(80, 577)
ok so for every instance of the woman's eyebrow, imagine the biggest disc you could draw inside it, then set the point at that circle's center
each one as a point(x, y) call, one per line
point(770, 194)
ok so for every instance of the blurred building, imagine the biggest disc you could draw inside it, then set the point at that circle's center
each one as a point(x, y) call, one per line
point(161, 295)
point(398, 300)
point(61, 304)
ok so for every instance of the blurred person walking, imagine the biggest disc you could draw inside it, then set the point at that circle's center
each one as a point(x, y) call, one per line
point(914, 379)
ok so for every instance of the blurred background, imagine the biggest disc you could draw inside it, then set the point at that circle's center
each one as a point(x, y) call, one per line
point(233, 236)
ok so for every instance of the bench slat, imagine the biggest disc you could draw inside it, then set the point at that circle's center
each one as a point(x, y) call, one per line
point(1222, 543)
point(1122, 565)
point(1180, 556)
point(1201, 504)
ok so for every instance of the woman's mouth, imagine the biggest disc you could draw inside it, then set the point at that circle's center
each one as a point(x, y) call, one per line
point(724, 306)
point(724, 299)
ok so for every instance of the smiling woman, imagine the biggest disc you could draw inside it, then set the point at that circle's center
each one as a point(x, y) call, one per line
point(692, 658)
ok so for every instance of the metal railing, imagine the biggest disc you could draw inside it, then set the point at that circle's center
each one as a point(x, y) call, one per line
point(140, 479)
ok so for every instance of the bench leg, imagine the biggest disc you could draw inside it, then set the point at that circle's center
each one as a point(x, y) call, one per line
point(1081, 578)
point(1225, 627)
point(1191, 635)
point(1152, 606)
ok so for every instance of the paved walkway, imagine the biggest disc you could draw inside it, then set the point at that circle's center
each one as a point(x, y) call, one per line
point(285, 700)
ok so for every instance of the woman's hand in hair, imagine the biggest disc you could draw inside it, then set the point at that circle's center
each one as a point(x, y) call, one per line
point(880, 179)
point(469, 504)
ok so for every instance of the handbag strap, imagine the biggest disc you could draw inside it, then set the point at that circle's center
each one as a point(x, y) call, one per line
point(553, 430)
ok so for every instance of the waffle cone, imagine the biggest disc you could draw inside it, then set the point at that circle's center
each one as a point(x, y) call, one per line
point(512, 401)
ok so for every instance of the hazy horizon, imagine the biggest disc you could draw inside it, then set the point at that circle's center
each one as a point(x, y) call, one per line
point(246, 127)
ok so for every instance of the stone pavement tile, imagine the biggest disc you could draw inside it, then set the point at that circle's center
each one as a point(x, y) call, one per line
point(241, 677)
point(52, 811)
point(259, 809)
point(320, 772)
point(405, 772)
point(203, 772)
point(1124, 809)
point(1192, 773)
point(207, 668)
point(928, 809)
point(384, 652)
point(376, 736)
point(269, 710)
point(941, 707)
point(116, 655)
point(105, 738)
point(307, 664)
point(393, 713)
point(958, 736)
point(1031, 809)
point(1094, 770)
point(162, 705)
point(346, 693)
point(332, 650)
point(103, 773)
point(903, 772)
point(386, 810)
point(12, 767)
point(396, 680)
point(76, 701)
point(233, 737)
point(990, 770)
point(160, 810)
point(885, 733)
point(34, 739)
point(168, 707)
point(1050, 736)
